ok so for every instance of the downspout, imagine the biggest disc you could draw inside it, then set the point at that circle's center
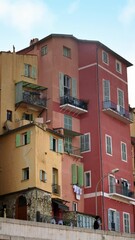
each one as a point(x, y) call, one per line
point(100, 140)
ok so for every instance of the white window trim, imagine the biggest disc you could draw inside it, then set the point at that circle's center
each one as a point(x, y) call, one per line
point(124, 223)
point(85, 179)
point(89, 143)
point(76, 206)
point(110, 154)
point(118, 62)
point(121, 152)
point(107, 63)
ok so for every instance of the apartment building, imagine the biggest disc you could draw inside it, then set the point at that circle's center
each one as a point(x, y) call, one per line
point(31, 153)
point(88, 102)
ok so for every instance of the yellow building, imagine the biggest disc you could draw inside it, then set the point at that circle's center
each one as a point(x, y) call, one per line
point(30, 153)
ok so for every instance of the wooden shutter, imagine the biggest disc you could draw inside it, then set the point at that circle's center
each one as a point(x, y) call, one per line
point(26, 70)
point(61, 84)
point(106, 88)
point(80, 176)
point(33, 73)
point(117, 221)
point(18, 140)
point(74, 174)
point(74, 88)
point(109, 219)
point(60, 145)
point(51, 142)
point(28, 137)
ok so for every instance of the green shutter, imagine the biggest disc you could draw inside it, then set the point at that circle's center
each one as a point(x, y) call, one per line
point(18, 140)
point(74, 174)
point(26, 70)
point(28, 137)
point(74, 88)
point(117, 221)
point(109, 219)
point(60, 145)
point(33, 73)
point(51, 142)
point(61, 84)
point(80, 176)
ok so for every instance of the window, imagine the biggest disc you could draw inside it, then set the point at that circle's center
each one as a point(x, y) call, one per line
point(106, 90)
point(29, 71)
point(9, 115)
point(25, 173)
point(113, 220)
point(27, 116)
point(87, 179)
point(74, 206)
point(125, 187)
point(55, 186)
point(108, 145)
point(44, 50)
point(23, 139)
point(66, 52)
point(85, 142)
point(43, 176)
point(85, 221)
point(126, 222)
point(112, 184)
point(105, 57)
point(67, 122)
point(56, 144)
point(120, 101)
point(77, 175)
point(67, 85)
point(118, 66)
point(68, 144)
point(124, 151)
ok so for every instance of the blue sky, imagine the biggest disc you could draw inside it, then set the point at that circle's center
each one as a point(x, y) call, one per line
point(111, 22)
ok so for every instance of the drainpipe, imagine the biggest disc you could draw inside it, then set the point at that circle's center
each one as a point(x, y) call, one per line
point(100, 141)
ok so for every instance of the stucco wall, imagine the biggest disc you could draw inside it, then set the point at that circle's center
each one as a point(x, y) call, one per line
point(16, 229)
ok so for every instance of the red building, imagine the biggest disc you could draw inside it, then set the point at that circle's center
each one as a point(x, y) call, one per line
point(88, 103)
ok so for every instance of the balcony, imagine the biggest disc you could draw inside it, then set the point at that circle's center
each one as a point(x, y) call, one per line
point(56, 189)
point(74, 105)
point(74, 151)
point(31, 96)
point(117, 112)
point(121, 192)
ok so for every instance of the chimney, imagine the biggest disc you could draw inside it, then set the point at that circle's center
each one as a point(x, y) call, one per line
point(34, 40)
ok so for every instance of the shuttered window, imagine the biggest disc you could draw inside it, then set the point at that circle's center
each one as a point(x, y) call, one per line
point(126, 221)
point(106, 90)
point(108, 145)
point(56, 144)
point(23, 139)
point(77, 175)
point(113, 220)
point(67, 85)
point(85, 142)
point(124, 151)
point(68, 122)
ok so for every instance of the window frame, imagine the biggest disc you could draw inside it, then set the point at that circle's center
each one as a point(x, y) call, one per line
point(68, 122)
point(9, 115)
point(87, 180)
point(66, 52)
point(85, 142)
point(106, 97)
point(74, 206)
point(106, 144)
point(123, 153)
point(43, 176)
point(105, 57)
point(44, 50)
point(25, 174)
point(112, 189)
point(23, 139)
point(118, 65)
point(125, 226)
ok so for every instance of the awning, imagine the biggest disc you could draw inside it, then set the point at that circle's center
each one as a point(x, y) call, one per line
point(60, 204)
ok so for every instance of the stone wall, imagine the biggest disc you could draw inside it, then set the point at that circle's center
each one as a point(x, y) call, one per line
point(25, 230)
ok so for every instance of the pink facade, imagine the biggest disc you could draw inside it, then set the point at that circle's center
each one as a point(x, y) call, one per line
point(94, 79)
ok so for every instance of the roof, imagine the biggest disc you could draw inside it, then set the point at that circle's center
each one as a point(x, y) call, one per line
point(98, 43)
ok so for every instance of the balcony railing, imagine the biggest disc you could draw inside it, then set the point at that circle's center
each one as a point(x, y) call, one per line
point(73, 104)
point(117, 111)
point(34, 99)
point(56, 189)
point(121, 190)
point(72, 150)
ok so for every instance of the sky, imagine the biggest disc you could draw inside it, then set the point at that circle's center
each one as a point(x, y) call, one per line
point(112, 22)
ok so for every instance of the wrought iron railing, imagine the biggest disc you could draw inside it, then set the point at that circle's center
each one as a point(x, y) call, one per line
point(113, 106)
point(72, 150)
point(74, 101)
point(34, 99)
point(56, 189)
point(122, 191)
